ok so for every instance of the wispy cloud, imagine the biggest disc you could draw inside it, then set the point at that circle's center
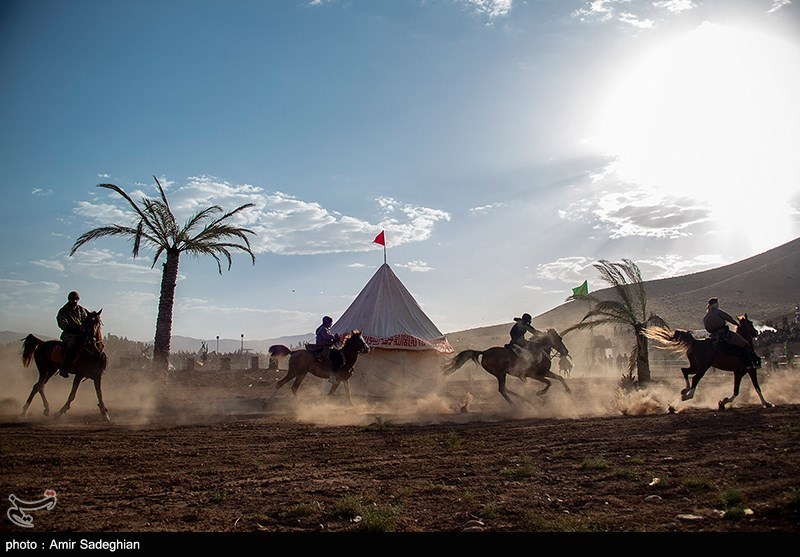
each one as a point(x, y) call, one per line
point(630, 13)
point(282, 223)
point(12, 289)
point(675, 6)
point(566, 269)
point(39, 192)
point(490, 8)
point(416, 266)
point(483, 209)
point(103, 175)
point(777, 5)
point(55, 265)
point(108, 265)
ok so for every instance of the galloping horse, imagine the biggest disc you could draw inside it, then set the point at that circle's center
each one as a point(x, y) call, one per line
point(501, 361)
point(705, 353)
point(302, 362)
point(90, 363)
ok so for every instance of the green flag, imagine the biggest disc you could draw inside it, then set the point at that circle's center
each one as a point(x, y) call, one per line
point(581, 291)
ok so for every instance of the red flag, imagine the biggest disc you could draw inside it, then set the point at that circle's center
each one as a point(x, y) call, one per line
point(379, 239)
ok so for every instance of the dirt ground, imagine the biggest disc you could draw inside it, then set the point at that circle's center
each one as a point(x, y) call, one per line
point(212, 453)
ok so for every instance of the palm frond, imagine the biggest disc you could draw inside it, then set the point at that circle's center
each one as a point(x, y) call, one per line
point(95, 233)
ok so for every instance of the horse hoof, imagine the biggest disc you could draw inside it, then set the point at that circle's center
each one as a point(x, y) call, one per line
point(722, 404)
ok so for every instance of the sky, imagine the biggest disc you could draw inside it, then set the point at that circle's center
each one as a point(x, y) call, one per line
point(504, 146)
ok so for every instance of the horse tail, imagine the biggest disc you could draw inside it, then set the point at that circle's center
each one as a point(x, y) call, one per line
point(460, 359)
point(276, 353)
point(678, 340)
point(30, 343)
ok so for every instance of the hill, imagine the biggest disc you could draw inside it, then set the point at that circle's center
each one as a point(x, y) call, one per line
point(765, 286)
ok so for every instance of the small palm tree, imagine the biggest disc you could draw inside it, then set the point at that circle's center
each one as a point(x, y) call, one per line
point(205, 233)
point(629, 310)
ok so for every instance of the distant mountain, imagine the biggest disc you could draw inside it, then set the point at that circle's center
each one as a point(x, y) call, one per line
point(765, 286)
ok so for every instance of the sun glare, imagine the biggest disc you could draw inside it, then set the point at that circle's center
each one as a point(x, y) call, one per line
point(714, 116)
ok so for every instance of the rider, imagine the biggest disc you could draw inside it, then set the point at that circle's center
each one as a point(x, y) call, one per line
point(70, 320)
point(518, 344)
point(326, 340)
point(716, 322)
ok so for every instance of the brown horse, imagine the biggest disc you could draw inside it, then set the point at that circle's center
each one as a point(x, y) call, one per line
point(302, 362)
point(705, 353)
point(501, 361)
point(90, 363)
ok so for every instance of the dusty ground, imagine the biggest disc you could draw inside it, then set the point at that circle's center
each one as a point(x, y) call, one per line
point(213, 454)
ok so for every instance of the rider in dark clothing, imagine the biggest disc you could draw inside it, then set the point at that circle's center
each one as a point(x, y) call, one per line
point(70, 319)
point(716, 323)
point(326, 340)
point(519, 344)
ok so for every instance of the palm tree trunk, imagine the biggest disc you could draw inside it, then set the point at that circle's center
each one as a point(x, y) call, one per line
point(166, 302)
point(642, 360)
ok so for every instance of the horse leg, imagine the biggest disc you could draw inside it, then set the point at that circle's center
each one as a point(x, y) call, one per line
point(296, 384)
point(686, 372)
point(557, 377)
point(501, 387)
point(347, 390)
point(754, 379)
point(100, 405)
point(38, 387)
point(75, 383)
point(737, 380)
point(281, 383)
point(698, 375)
point(546, 382)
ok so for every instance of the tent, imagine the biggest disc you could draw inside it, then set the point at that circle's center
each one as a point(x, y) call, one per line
point(406, 349)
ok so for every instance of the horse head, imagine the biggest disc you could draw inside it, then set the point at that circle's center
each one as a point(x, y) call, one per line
point(554, 341)
point(746, 328)
point(355, 339)
point(91, 328)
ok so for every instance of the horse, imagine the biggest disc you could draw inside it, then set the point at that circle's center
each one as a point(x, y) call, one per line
point(705, 353)
point(501, 361)
point(302, 361)
point(91, 362)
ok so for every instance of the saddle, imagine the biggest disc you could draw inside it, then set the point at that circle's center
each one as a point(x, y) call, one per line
point(326, 355)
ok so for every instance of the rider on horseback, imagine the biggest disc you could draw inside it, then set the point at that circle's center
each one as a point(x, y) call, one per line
point(70, 320)
point(716, 323)
point(324, 346)
point(519, 345)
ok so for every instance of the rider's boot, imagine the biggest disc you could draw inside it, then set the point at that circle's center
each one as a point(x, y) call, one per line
point(67, 363)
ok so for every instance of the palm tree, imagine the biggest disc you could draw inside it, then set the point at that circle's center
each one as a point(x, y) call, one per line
point(205, 233)
point(630, 310)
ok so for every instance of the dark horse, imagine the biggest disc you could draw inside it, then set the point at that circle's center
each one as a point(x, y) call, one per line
point(90, 363)
point(705, 353)
point(303, 361)
point(501, 361)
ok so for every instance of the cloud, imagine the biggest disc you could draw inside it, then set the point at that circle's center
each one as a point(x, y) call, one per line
point(55, 265)
point(490, 8)
point(39, 192)
point(416, 266)
point(282, 223)
point(777, 5)
point(483, 209)
point(566, 269)
point(107, 265)
point(13, 289)
point(103, 175)
point(621, 11)
point(675, 6)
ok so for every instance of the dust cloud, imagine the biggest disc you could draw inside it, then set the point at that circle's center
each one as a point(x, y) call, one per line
point(137, 398)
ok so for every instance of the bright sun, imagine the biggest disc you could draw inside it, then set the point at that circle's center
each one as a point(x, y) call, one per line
point(715, 116)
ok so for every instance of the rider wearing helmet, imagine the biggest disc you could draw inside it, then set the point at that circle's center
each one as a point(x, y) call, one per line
point(716, 323)
point(70, 319)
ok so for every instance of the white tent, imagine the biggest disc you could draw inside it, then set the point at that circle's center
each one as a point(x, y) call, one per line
point(407, 349)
